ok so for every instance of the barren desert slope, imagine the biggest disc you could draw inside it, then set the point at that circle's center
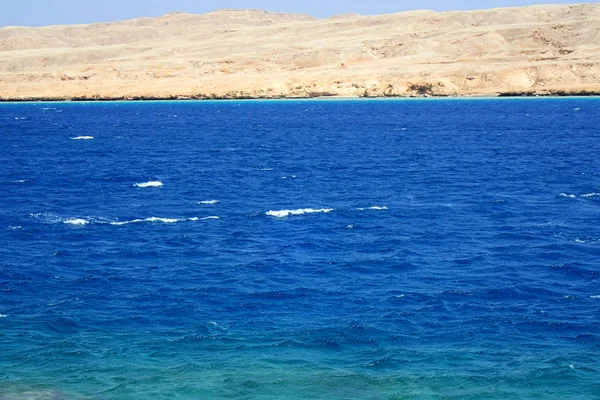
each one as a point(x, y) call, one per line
point(552, 49)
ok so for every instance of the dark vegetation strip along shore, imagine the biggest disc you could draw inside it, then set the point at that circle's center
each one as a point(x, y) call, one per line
point(557, 93)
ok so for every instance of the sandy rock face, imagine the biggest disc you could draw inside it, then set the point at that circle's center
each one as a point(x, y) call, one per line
point(258, 54)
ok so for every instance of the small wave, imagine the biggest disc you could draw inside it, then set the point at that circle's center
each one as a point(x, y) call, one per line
point(289, 177)
point(3, 316)
point(570, 196)
point(300, 211)
point(375, 208)
point(14, 228)
point(55, 219)
point(83, 138)
point(76, 221)
point(20, 118)
point(149, 184)
point(47, 217)
point(591, 195)
point(21, 181)
point(162, 220)
point(595, 297)
point(152, 219)
point(586, 240)
point(209, 202)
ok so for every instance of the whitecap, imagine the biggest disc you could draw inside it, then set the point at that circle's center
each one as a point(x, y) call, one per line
point(21, 181)
point(3, 316)
point(151, 219)
point(47, 217)
point(591, 195)
point(595, 297)
point(82, 138)
point(209, 202)
point(289, 177)
point(571, 196)
point(149, 184)
point(76, 221)
point(161, 220)
point(300, 211)
point(14, 228)
point(374, 208)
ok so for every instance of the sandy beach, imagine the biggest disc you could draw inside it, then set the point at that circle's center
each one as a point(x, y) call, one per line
point(233, 54)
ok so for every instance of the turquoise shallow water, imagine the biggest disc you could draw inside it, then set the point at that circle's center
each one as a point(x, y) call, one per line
point(440, 249)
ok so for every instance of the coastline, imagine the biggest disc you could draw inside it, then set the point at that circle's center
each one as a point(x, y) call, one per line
point(201, 97)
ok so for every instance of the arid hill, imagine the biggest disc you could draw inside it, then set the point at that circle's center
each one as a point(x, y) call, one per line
point(259, 54)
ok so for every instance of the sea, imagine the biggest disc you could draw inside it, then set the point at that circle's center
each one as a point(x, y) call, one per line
point(300, 249)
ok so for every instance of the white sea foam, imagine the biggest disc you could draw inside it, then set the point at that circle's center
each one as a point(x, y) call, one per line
point(151, 219)
point(149, 184)
point(209, 202)
point(47, 218)
point(14, 228)
point(289, 177)
point(76, 221)
point(300, 211)
point(3, 316)
point(591, 195)
point(203, 219)
point(595, 297)
point(571, 196)
point(21, 181)
point(83, 138)
point(375, 208)
point(161, 220)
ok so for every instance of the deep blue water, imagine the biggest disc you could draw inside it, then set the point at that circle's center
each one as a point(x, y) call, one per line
point(439, 249)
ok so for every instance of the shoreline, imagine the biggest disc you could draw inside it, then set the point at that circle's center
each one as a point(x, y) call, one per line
point(505, 95)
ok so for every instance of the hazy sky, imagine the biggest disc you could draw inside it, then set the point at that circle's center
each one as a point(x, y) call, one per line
point(46, 12)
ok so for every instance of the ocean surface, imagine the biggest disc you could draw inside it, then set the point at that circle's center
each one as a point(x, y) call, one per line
point(393, 249)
